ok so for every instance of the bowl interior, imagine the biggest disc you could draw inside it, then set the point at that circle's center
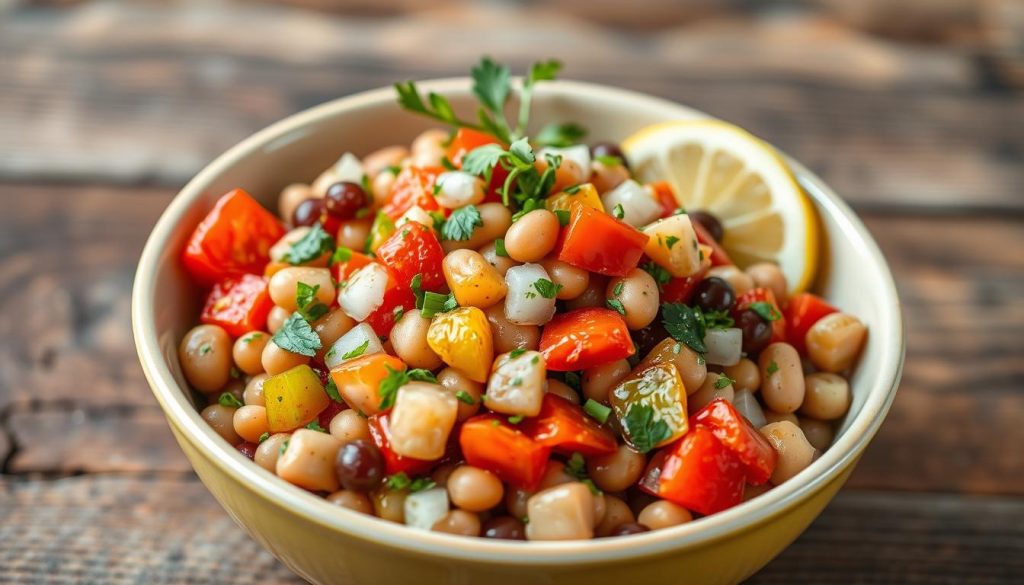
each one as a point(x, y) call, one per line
point(853, 273)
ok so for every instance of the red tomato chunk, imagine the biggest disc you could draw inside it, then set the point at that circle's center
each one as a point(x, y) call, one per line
point(733, 430)
point(239, 305)
point(412, 250)
point(564, 427)
point(585, 338)
point(489, 442)
point(702, 474)
point(600, 243)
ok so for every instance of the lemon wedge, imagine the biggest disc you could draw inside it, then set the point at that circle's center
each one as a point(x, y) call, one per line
point(717, 167)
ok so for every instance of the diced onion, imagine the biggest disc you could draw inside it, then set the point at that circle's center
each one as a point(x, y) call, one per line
point(638, 204)
point(364, 292)
point(417, 214)
point(747, 405)
point(579, 154)
point(423, 509)
point(458, 189)
point(724, 346)
point(517, 384)
point(351, 341)
point(349, 168)
point(524, 304)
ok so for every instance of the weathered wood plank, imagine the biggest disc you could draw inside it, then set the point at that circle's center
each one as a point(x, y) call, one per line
point(131, 529)
point(144, 93)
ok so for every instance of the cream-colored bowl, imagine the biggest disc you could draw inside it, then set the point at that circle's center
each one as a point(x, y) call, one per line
point(327, 544)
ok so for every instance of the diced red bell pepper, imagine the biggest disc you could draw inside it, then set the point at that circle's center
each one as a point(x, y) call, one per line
point(665, 196)
point(393, 462)
point(413, 186)
point(719, 257)
point(238, 305)
point(702, 474)
point(398, 298)
point(343, 270)
point(248, 449)
point(585, 338)
point(652, 473)
point(736, 433)
point(412, 250)
point(680, 290)
point(467, 140)
point(763, 295)
point(802, 311)
point(564, 427)
point(598, 242)
point(489, 442)
point(232, 240)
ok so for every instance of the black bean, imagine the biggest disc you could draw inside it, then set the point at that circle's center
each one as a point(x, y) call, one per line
point(714, 294)
point(757, 333)
point(709, 222)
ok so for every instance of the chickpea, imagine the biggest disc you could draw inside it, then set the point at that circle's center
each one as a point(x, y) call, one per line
point(818, 432)
point(572, 280)
point(205, 357)
point(456, 382)
point(308, 461)
point(691, 366)
point(516, 502)
point(283, 285)
point(555, 474)
point(496, 220)
point(740, 281)
point(562, 512)
point(290, 198)
point(827, 396)
point(351, 500)
point(592, 296)
point(834, 342)
point(638, 293)
point(770, 416)
point(269, 450)
point(382, 158)
point(561, 389)
point(320, 185)
point(709, 391)
point(348, 426)
point(409, 340)
point(744, 375)
point(663, 514)
point(616, 471)
point(459, 523)
point(533, 236)
point(330, 328)
point(508, 335)
point(250, 422)
point(474, 489)
point(795, 452)
point(220, 420)
point(276, 318)
point(353, 233)
point(599, 508)
point(428, 148)
point(248, 350)
point(607, 177)
point(616, 513)
point(500, 263)
point(389, 504)
point(277, 360)
point(782, 377)
point(253, 393)
point(768, 275)
point(597, 382)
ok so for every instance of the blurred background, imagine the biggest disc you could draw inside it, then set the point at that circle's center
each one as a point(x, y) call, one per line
point(912, 110)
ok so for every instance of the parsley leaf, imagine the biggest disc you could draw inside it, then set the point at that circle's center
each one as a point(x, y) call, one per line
point(560, 135)
point(516, 352)
point(230, 400)
point(461, 223)
point(685, 324)
point(766, 310)
point(263, 437)
point(618, 212)
point(718, 319)
point(482, 159)
point(657, 272)
point(309, 306)
point(388, 388)
point(499, 248)
point(358, 351)
point(421, 483)
point(516, 419)
point(616, 305)
point(342, 254)
point(642, 430)
point(296, 336)
point(439, 109)
point(491, 84)
point(311, 246)
point(464, 397)
point(608, 160)
point(416, 284)
point(671, 241)
point(563, 216)
point(332, 390)
point(398, 481)
point(546, 288)
point(723, 381)
point(315, 426)
point(772, 367)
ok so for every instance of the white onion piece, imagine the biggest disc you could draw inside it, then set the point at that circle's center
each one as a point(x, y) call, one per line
point(517, 384)
point(458, 189)
point(725, 346)
point(423, 509)
point(746, 404)
point(349, 168)
point(364, 292)
point(355, 337)
point(638, 204)
point(524, 305)
point(579, 154)
point(421, 420)
point(417, 214)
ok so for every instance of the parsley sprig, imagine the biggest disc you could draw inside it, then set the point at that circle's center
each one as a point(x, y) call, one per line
point(395, 379)
point(690, 324)
point(643, 431)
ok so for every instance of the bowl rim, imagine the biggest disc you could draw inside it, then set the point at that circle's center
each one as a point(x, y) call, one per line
point(183, 416)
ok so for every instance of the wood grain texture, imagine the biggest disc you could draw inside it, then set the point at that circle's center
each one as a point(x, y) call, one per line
point(168, 529)
point(151, 92)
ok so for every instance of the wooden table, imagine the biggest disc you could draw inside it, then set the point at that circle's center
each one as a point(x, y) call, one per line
point(913, 111)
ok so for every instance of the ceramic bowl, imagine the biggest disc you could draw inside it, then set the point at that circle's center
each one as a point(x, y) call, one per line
point(328, 544)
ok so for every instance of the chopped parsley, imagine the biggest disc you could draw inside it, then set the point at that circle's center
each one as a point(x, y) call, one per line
point(464, 397)
point(357, 351)
point(618, 212)
point(608, 160)
point(576, 467)
point(671, 241)
point(772, 367)
point(230, 400)
point(766, 310)
point(643, 432)
point(461, 223)
point(689, 324)
point(416, 284)
point(516, 352)
point(315, 426)
point(263, 437)
point(574, 189)
point(723, 381)
point(499, 248)
point(563, 217)
point(515, 419)
point(546, 288)
point(205, 348)
point(332, 390)
point(395, 379)
point(308, 305)
point(342, 254)
point(311, 246)
point(283, 448)
point(252, 337)
point(616, 305)
point(572, 380)
point(657, 272)
point(296, 336)
point(617, 291)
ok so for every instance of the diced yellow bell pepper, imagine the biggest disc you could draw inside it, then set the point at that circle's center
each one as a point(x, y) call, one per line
point(380, 231)
point(473, 280)
point(659, 388)
point(293, 398)
point(358, 380)
point(462, 338)
point(673, 245)
point(586, 194)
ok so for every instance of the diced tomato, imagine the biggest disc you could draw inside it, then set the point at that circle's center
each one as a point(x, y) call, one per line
point(564, 427)
point(393, 462)
point(719, 257)
point(679, 290)
point(232, 240)
point(343, 270)
point(599, 243)
point(413, 186)
point(412, 250)
point(802, 311)
point(585, 338)
point(736, 433)
point(398, 298)
point(652, 473)
point(239, 305)
point(763, 295)
point(702, 474)
point(665, 196)
point(246, 448)
point(489, 442)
